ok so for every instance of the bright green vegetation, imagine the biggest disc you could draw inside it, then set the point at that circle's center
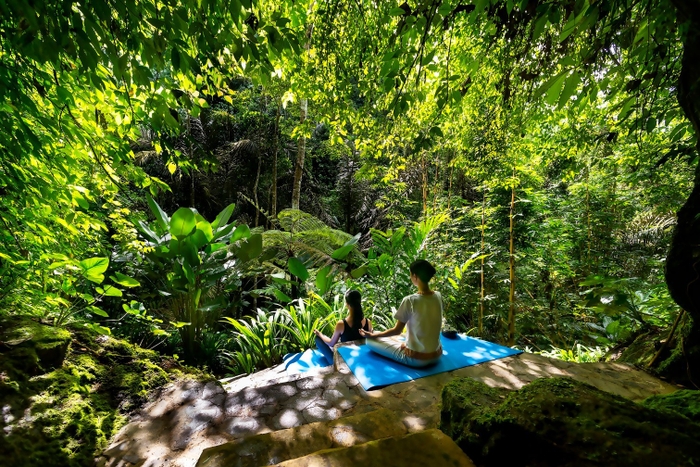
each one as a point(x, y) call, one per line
point(207, 178)
point(559, 421)
point(66, 392)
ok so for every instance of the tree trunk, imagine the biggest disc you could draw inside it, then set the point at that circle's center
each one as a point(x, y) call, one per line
point(449, 189)
point(301, 154)
point(255, 189)
point(511, 313)
point(273, 204)
point(483, 247)
point(424, 171)
point(301, 145)
point(683, 261)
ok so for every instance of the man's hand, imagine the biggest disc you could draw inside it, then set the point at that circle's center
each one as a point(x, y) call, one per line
point(364, 333)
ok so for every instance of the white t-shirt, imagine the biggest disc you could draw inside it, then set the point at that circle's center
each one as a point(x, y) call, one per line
point(423, 317)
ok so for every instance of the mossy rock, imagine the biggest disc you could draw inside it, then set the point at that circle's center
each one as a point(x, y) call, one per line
point(31, 347)
point(685, 402)
point(640, 350)
point(562, 422)
point(61, 410)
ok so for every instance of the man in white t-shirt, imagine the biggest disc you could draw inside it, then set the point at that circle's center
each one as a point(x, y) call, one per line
point(421, 314)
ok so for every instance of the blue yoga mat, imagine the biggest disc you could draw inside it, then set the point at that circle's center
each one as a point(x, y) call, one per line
point(374, 371)
point(305, 361)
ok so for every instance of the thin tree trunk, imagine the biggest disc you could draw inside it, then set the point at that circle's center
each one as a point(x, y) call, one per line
point(274, 160)
point(449, 189)
point(189, 135)
point(255, 190)
point(425, 184)
point(511, 313)
point(437, 183)
point(301, 145)
point(483, 247)
point(301, 154)
point(588, 223)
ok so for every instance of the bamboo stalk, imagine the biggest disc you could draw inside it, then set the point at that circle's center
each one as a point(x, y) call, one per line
point(274, 160)
point(511, 313)
point(483, 245)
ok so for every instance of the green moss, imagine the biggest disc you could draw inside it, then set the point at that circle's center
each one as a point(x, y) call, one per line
point(562, 422)
point(642, 349)
point(464, 400)
point(36, 347)
point(685, 402)
point(65, 415)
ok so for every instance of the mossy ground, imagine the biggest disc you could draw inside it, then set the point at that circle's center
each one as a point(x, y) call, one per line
point(65, 392)
point(685, 402)
point(678, 362)
point(562, 422)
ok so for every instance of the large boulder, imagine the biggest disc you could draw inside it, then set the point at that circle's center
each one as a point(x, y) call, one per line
point(562, 422)
point(685, 402)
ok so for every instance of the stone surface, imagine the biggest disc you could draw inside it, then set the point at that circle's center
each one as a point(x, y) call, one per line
point(563, 422)
point(192, 416)
point(303, 440)
point(429, 448)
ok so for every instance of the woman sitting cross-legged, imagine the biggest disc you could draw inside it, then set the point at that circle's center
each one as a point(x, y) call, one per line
point(421, 314)
point(346, 330)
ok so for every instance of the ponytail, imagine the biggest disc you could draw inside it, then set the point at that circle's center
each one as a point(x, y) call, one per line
point(354, 299)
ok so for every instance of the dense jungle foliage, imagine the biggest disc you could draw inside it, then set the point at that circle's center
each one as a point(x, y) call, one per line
point(207, 178)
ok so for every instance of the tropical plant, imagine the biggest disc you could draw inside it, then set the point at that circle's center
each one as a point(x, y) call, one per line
point(258, 340)
point(301, 320)
point(197, 256)
point(389, 259)
point(579, 354)
point(82, 288)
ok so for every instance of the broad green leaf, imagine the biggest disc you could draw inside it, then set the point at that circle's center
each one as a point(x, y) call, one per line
point(297, 268)
point(159, 214)
point(223, 217)
point(242, 231)
point(323, 279)
point(80, 200)
point(109, 291)
point(189, 273)
point(345, 250)
point(97, 311)
point(359, 272)
point(189, 252)
point(94, 266)
point(96, 278)
point(281, 296)
point(570, 87)
point(342, 252)
point(214, 247)
point(182, 223)
point(540, 23)
point(549, 83)
point(148, 233)
point(126, 281)
point(254, 246)
point(555, 89)
point(223, 232)
point(206, 228)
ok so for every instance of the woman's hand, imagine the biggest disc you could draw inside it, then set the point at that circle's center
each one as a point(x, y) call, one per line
point(317, 332)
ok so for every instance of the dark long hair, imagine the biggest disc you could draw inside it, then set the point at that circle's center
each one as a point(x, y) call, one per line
point(354, 299)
